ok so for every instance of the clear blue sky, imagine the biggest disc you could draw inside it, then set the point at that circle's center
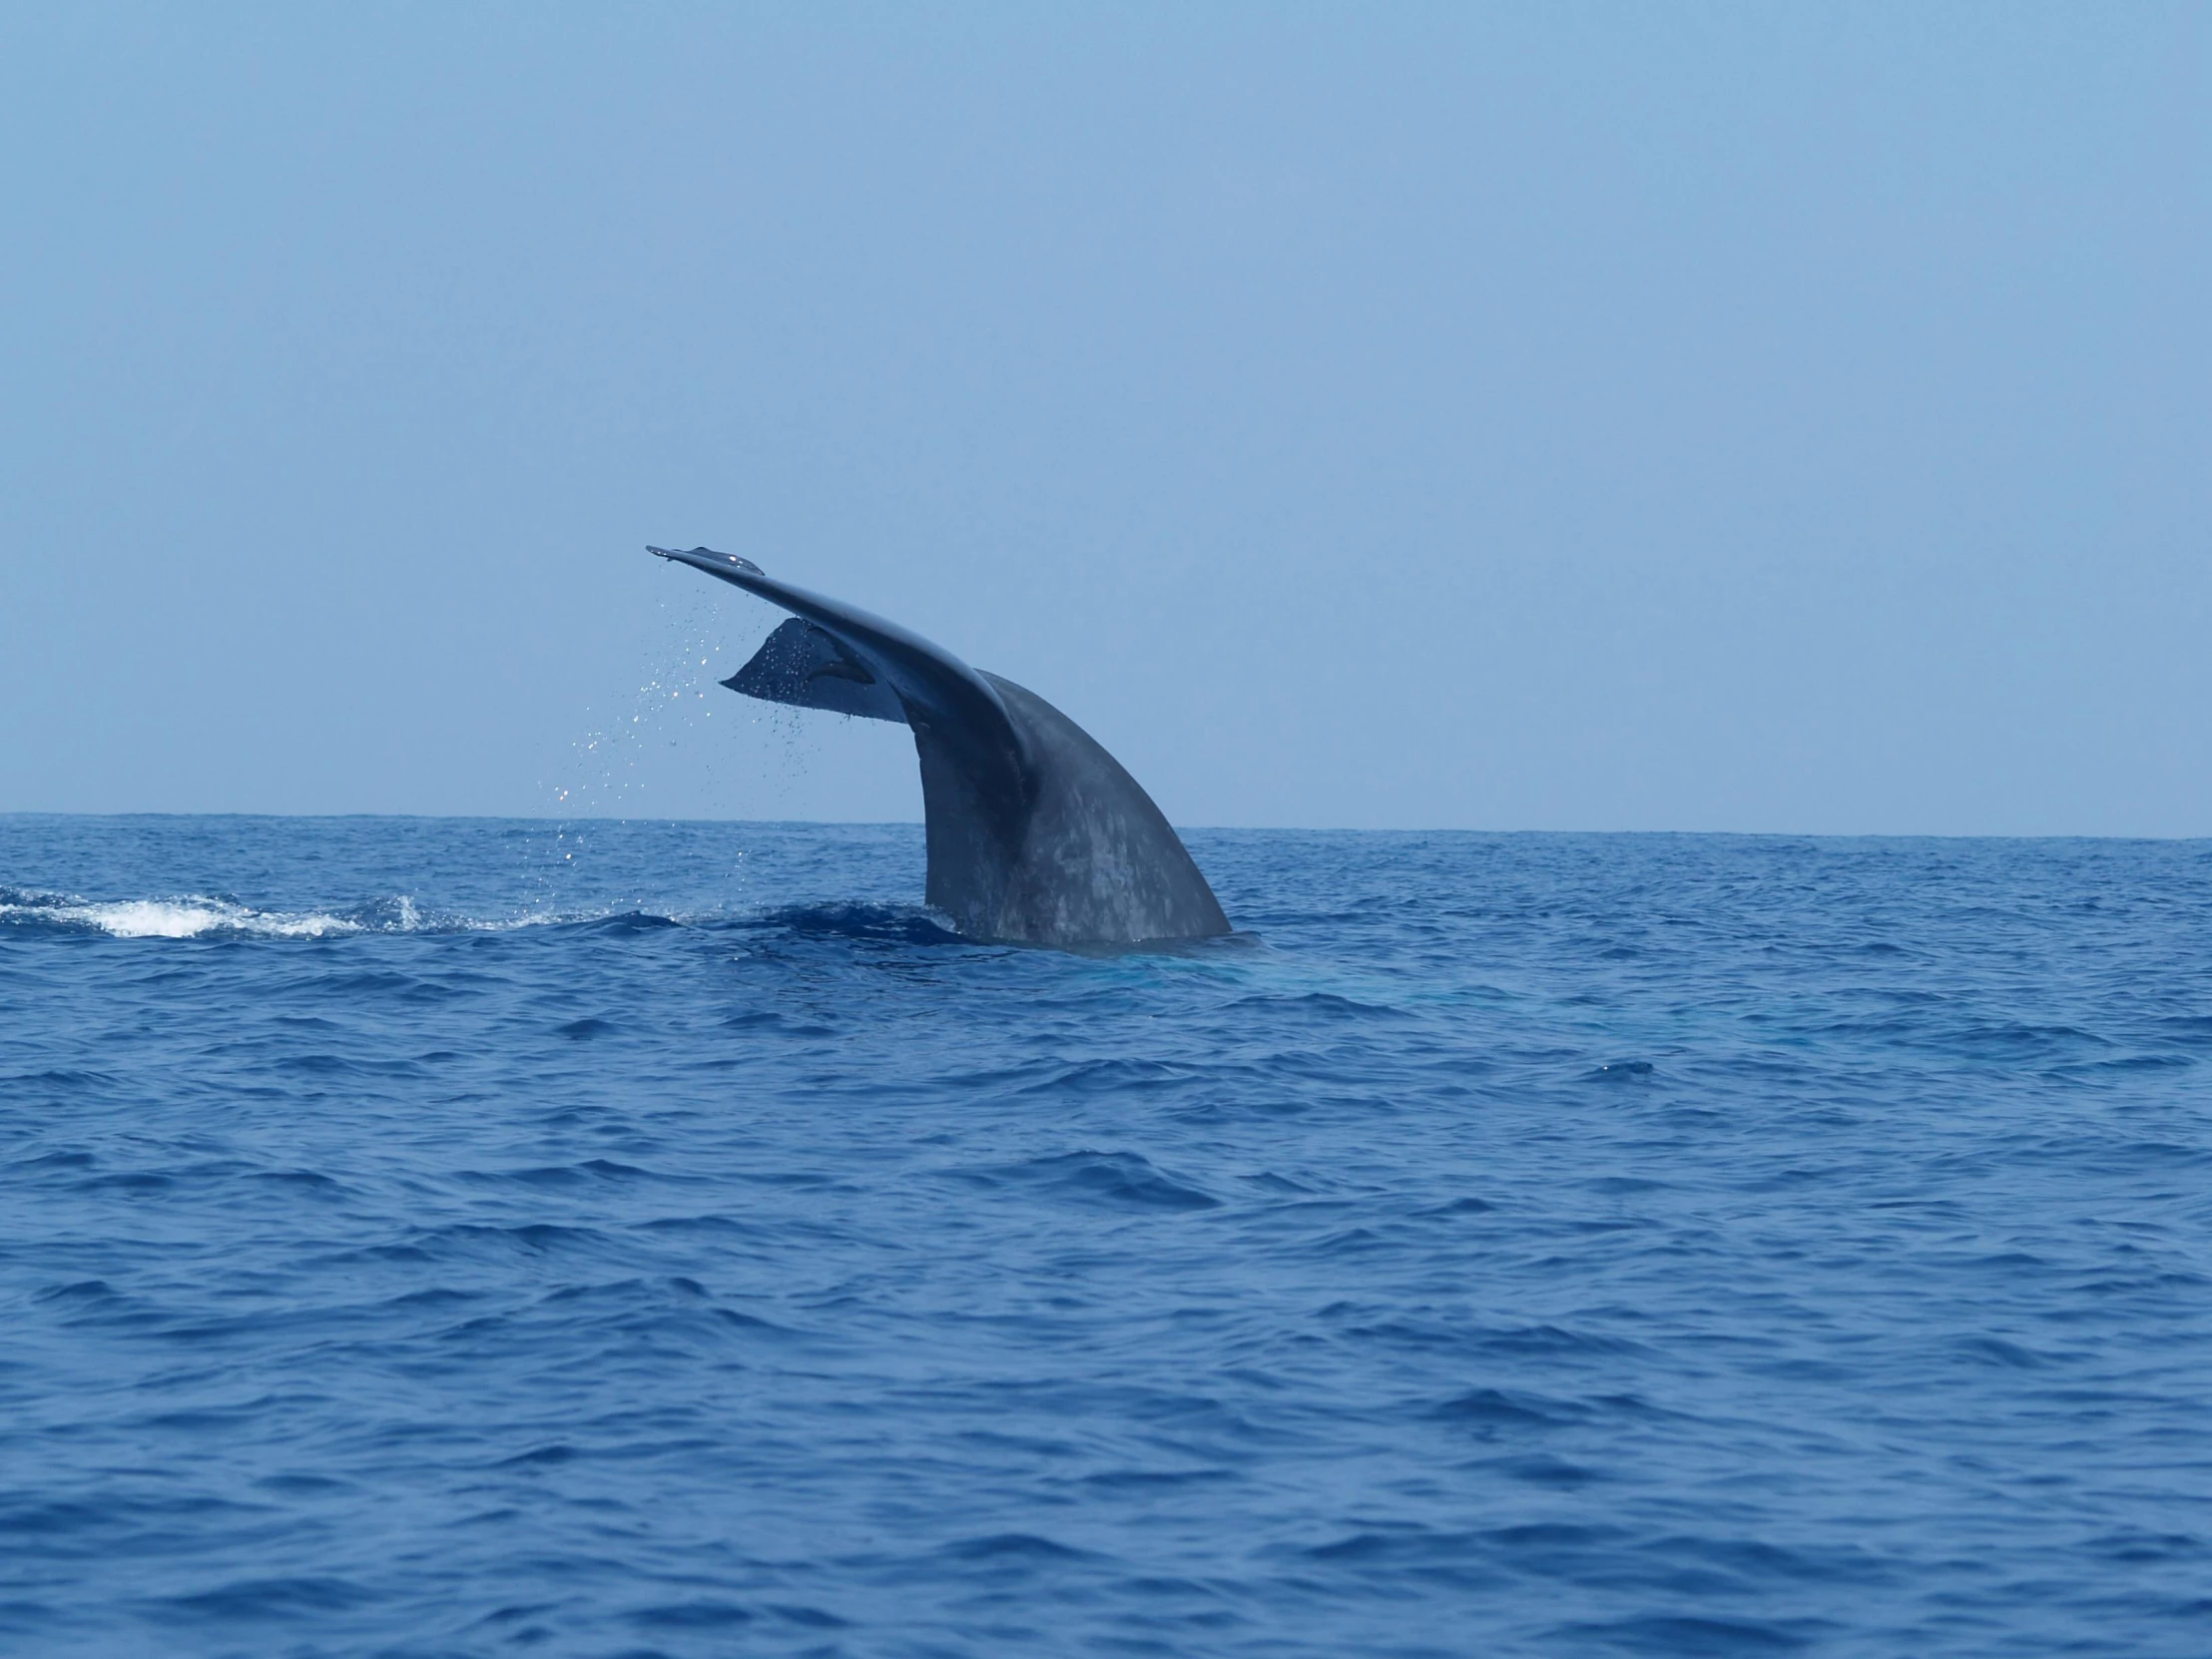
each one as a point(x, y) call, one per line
point(1702, 417)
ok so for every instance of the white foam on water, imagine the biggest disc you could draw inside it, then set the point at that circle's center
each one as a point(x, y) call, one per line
point(184, 917)
point(194, 915)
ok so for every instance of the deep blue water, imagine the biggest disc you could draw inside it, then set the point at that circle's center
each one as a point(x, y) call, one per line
point(428, 1237)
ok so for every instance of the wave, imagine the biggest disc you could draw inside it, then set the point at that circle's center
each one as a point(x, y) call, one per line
point(867, 923)
point(195, 915)
point(204, 915)
point(186, 916)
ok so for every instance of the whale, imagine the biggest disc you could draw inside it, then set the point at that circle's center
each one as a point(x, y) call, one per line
point(1035, 835)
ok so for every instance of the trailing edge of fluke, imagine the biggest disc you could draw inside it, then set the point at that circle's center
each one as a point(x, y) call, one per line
point(1035, 833)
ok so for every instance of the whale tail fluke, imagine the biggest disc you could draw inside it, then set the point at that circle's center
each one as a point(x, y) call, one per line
point(1035, 833)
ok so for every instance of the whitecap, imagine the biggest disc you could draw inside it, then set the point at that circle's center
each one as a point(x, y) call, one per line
point(184, 917)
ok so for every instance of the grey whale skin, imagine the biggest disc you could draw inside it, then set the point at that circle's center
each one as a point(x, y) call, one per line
point(1035, 833)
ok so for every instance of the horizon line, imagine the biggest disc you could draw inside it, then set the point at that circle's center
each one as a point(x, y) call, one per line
point(1195, 828)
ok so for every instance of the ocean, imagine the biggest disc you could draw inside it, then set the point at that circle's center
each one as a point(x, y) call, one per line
point(428, 1237)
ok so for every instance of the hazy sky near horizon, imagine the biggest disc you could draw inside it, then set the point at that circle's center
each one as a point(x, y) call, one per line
point(1716, 417)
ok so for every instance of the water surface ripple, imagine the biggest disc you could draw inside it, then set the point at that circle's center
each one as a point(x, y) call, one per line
point(457, 1237)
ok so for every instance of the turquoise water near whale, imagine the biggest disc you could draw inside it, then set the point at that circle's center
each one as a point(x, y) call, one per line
point(466, 1237)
